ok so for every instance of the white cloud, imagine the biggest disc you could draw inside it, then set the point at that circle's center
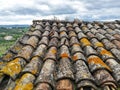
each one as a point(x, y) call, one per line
point(24, 11)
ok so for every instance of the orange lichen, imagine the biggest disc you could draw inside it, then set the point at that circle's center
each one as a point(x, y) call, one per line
point(12, 68)
point(85, 42)
point(75, 57)
point(97, 60)
point(63, 55)
point(105, 52)
point(98, 44)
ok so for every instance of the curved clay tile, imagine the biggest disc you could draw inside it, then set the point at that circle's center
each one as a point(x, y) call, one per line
point(75, 24)
point(36, 33)
point(63, 34)
point(115, 67)
point(81, 35)
point(89, 51)
point(46, 74)
point(116, 53)
point(76, 48)
point(83, 76)
point(72, 34)
point(14, 67)
point(109, 45)
point(8, 56)
point(90, 35)
point(103, 32)
point(94, 31)
point(74, 40)
point(64, 41)
point(33, 40)
point(65, 69)
point(105, 54)
point(64, 51)
point(77, 29)
point(85, 29)
point(44, 40)
point(85, 42)
point(34, 66)
point(100, 37)
point(17, 47)
point(26, 82)
point(96, 43)
point(26, 52)
point(51, 54)
point(40, 50)
point(38, 27)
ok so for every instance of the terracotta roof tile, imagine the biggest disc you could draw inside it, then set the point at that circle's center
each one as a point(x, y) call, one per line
point(64, 55)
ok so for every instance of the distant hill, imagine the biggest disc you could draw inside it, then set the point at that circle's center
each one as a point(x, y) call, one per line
point(13, 26)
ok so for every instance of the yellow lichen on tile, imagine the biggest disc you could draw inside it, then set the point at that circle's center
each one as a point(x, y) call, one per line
point(85, 42)
point(62, 32)
point(17, 80)
point(10, 88)
point(76, 44)
point(34, 71)
point(84, 28)
point(105, 52)
point(1, 75)
point(25, 83)
point(12, 68)
point(22, 86)
point(1, 63)
point(72, 34)
point(34, 58)
point(97, 60)
point(17, 48)
point(54, 51)
point(7, 56)
point(98, 44)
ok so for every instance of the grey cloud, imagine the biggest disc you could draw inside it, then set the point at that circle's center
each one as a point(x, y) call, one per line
point(25, 11)
point(101, 4)
point(63, 10)
point(5, 12)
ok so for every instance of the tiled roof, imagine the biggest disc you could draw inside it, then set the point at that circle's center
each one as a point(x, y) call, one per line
point(64, 55)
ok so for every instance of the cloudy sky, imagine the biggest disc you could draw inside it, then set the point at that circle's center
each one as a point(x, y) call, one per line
point(24, 11)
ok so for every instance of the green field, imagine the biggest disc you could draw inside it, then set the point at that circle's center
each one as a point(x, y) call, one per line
point(14, 32)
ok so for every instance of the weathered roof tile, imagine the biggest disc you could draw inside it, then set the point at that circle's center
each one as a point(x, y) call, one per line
point(64, 55)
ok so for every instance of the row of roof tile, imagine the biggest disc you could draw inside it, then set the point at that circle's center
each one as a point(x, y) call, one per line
point(64, 55)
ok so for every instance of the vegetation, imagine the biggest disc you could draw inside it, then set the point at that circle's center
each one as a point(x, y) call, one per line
point(15, 32)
